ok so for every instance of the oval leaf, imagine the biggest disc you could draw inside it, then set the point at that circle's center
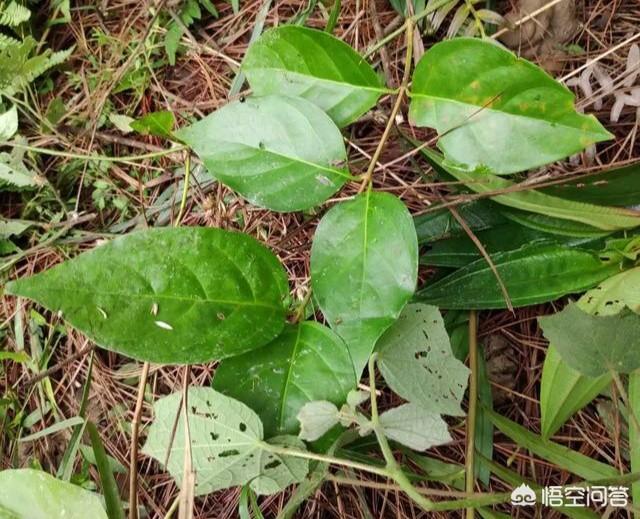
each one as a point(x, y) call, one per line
point(306, 362)
point(182, 296)
point(479, 96)
point(227, 444)
point(282, 153)
point(33, 494)
point(415, 427)
point(614, 294)
point(312, 64)
point(364, 267)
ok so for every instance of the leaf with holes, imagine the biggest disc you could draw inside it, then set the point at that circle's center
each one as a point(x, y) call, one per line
point(415, 359)
point(415, 427)
point(364, 267)
point(185, 295)
point(33, 494)
point(306, 362)
point(227, 444)
point(594, 345)
point(282, 153)
point(478, 96)
point(303, 62)
point(614, 294)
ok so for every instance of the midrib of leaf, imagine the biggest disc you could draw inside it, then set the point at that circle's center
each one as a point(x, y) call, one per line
point(481, 108)
point(354, 86)
point(206, 300)
point(365, 233)
point(287, 378)
point(282, 155)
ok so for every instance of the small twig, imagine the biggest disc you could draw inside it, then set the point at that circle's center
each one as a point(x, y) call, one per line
point(187, 489)
point(366, 179)
point(54, 369)
point(185, 188)
point(135, 432)
point(525, 19)
point(473, 406)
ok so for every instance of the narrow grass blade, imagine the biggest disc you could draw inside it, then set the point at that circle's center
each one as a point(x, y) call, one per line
point(109, 485)
point(58, 426)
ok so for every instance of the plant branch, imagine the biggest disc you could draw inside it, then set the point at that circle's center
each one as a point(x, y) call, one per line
point(185, 188)
point(366, 179)
point(473, 406)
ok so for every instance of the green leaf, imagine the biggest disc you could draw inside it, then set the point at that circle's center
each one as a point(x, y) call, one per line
point(316, 419)
point(10, 228)
point(460, 251)
point(364, 267)
point(437, 225)
point(478, 96)
point(614, 294)
point(13, 173)
point(533, 274)
point(33, 494)
point(484, 428)
point(563, 457)
point(185, 295)
point(614, 187)
point(109, 485)
point(564, 391)
point(416, 361)
point(482, 181)
point(8, 123)
point(227, 444)
point(160, 124)
point(552, 225)
point(312, 64)
point(594, 345)
point(278, 152)
point(415, 427)
point(306, 362)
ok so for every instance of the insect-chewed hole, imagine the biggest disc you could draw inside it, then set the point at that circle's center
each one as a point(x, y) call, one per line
point(230, 452)
point(214, 436)
point(242, 427)
point(273, 464)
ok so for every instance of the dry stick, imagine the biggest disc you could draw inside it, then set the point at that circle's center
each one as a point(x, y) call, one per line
point(135, 431)
point(601, 56)
point(485, 255)
point(525, 19)
point(366, 179)
point(53, 369)
point(473, 406)
point(187, 489)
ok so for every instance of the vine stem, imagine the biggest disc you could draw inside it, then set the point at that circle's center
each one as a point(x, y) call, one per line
point(185, 188)
point(473, 407)
point(135, 432)
point(366, 179)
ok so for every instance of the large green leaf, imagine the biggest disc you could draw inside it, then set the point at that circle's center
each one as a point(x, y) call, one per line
point(33, 494)
point(564, 391)
point(306, 362)
point(482, 181)
point(533, 274)
point(227, 444)
point(634, 432)
point(416, 361)
point(283, 153)
point(479, 96)
point(299, 61)
point(184, 295)
point(364, 267)
point(595, 345)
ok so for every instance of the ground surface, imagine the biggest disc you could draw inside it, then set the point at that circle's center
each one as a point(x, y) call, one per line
point(116, 48)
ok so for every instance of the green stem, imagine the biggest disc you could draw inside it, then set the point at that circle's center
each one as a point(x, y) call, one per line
point(333, 16)
point(393, 469)
point(473, 406)
point(185, 188)
point(412, 19)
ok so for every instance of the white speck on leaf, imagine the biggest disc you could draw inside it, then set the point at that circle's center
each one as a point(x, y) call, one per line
point(163, 325)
